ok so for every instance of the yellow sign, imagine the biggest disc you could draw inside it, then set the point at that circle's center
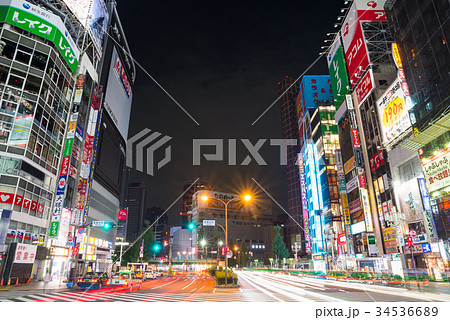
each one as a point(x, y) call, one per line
point(393, 112)
point(349, 165)
point(344, 200)
point(396, 54)
point(346, 214)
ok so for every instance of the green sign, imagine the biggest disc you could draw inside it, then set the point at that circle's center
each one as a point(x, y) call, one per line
point(43, 24)
point(370, 239)
point(68, 147)
point(54, 226)
point(338, 73)
point(327, 123)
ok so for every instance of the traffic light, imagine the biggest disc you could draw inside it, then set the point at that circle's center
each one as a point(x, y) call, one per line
point(410, 241)
point(191, 226)
point(109, 225)
point(156, 247)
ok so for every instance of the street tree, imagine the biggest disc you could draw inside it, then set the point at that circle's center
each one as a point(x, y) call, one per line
point(279, 248)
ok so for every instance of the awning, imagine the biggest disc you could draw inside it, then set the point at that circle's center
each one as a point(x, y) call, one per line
point(435, 130)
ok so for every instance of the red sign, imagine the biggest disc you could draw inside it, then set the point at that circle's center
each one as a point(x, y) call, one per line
point(6, 197)
point(381, 157)
point(65, 166)
point(365, 87)
point(26, 203)
point(34, 205)
point(123, 214)
point(410, 241)
point(341, 239)
point(362, 178)
point(18, 201)
point(372, 164)
point(356, 141)
point(40, 208)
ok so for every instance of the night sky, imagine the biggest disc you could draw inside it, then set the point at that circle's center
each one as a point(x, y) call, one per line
point(222, 63)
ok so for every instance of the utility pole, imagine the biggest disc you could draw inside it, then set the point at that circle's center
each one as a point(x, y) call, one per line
point(170, 256)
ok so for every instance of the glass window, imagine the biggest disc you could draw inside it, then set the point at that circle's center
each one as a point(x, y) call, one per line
point(39, 60)
point(26, 108)
point(23, 57)
point(33, 84)
point(3, 73)
point(8, 107)
point(15, 81)
point(8, 49)
point(32, 142)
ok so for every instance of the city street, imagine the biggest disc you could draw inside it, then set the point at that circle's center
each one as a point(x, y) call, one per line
point(254, 287)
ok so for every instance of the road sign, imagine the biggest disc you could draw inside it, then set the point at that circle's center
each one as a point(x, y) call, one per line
point(426, 247)
point(80, 231)
point(98, 223)
point(413, 233)
point(210, 223)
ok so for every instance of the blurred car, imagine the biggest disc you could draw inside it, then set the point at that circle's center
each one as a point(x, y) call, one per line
point(125, 278)
point(93, 280)
point(140, 275)
point(150, 275)
point(159, 273)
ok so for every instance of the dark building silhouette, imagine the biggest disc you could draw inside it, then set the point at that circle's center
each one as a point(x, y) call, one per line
point(290, 130)
point(136, 208)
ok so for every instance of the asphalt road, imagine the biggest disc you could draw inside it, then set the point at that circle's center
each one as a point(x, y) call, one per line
point(254, 287)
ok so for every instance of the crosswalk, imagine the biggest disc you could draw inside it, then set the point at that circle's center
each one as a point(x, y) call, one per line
point(227, 295)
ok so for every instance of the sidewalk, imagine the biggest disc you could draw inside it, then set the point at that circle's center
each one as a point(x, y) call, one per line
point(34, 287)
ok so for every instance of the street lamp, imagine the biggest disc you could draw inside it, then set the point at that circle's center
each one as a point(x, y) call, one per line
point(203, 243)
point(226, 203)
point(121, 244)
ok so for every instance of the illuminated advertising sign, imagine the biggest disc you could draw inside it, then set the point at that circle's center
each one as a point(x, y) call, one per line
point(98, 23)
point(358, 227)
point(396, 55)
point(366, 208)
point(354, 46)
point(365, 87)
point(315, 89)
point(371, 10)
point(393, 112)
point(118, 95)
point(44, 24)
point(304, 204)
point(349, 165)
point(313, 170)
point(362, 178)
point(123, 214)
point(437, 170)
point(25, 253)
point(338, 72)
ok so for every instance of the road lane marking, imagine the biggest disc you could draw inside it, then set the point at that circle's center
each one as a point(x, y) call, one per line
point(189, 284)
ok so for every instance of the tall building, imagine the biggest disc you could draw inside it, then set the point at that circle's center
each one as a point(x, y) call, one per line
point(56, 88)
point(136, 209)
point(293, 231)
point(421, 29)
point(191, 188)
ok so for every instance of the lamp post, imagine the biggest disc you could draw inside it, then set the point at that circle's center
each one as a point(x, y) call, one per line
point(203, 243)
point(226, 203)
point(219, 245)
point(121, 244)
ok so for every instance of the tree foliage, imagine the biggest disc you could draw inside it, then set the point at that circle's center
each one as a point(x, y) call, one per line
point(279, 248)
point(131, 254)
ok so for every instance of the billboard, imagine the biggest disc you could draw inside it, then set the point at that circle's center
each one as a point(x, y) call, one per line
point(118, 95)
point(437, 171)
point(338, 72)
point(98, 23)
point(92, 14)
point(304, 196)
point(371, 10)
point(315, 89)
point(365, 87)
point(354, 46)
point(393, 112)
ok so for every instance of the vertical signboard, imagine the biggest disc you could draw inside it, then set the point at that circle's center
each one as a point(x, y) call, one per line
point(304, 204)
point(366, 209)
point(354, 46)
point(315, 89)
point(338, 72)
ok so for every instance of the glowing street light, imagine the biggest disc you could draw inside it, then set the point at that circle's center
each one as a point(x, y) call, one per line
point(246, 198)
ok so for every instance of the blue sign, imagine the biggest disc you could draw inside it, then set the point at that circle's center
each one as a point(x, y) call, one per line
point(425, 196)
point(315, 90)
point(426, 247)
point(61, 184)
